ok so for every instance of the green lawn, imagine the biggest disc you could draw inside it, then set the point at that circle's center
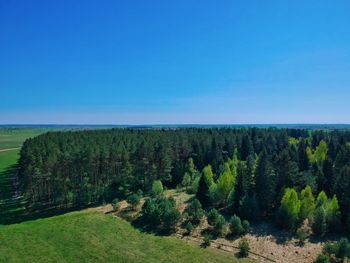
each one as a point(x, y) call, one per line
point(94, 237)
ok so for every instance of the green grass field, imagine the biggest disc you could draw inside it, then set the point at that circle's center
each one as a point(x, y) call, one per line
point(95, 237)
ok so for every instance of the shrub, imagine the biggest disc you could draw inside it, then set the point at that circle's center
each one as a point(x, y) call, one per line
point(115, 204)
point(134, 200)
point(243, 248)
point(246, 226)
point(216, 220)
point(161, 213)
point(302, 235)
point(189, 228)
point(207, 239)
point(194, 211)
point(213, 217)
point(322, 258)
point(236, 226)
point(157, 188)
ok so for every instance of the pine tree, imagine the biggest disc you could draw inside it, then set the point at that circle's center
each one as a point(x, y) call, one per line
point(205, 182)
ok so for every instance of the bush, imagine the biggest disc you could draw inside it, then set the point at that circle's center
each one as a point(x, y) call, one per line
point(340, 250)
point(236, 227)
point(246, 226)
point(216, 220)
point(189, 228)
point(157, 188)
point(207, 239)
point(161, 213)
point(213, 217)
point(194, 211)
point(134, 200)
point(302, 235)
point(115, 204)
point(322, 258)
point(248, 208)
point(243, 248)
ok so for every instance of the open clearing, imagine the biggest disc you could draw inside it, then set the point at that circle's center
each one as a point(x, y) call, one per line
point(89, 236)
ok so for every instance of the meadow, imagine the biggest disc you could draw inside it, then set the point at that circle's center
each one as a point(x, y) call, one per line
point(87, 236)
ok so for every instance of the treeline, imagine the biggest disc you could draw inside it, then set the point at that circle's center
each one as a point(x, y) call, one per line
point(245, 171)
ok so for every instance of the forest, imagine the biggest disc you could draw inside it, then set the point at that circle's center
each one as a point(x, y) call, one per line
point(287, 175)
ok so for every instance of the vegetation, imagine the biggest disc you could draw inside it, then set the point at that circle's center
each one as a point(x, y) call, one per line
point(160, 213)
point(335, 252)
point(248, 174)
point(94, 237)
point(243, 248)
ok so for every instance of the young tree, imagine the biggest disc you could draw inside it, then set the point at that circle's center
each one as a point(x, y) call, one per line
point(333, 214)
point(307, 203)
point(157, 188)
point(288, 214)
point(225, 184)
point(319, 226)
point(205, 182)
point(236, 227)
point(195, 211)
point(243, 248)
point(186, 181)
point(134, 200)
point(216, 220)
point(249, 208)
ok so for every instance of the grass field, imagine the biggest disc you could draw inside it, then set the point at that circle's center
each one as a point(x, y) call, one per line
point(95, 237)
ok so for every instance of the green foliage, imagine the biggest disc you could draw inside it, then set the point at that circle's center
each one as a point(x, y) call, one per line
point(186, 181)
point(327, 214)
point(194, 211)
point(322, 200)
point(160, 213)
point(303, 232)
point(207, 239)
point(115, 204)
point(157, 188)
point(288, 214)
point(339, 250)
point(320, 154)
point(319, 225)
point(225, 183)
point(216, 220)
point(322, 258)
point(333, 214)
point(236, 226)
point(246, 226)
point(95, 237)
point(134, 200)
point(307, 203)
point(205, 182)
point(244, 248)
point(248, 208)
point(189, 228)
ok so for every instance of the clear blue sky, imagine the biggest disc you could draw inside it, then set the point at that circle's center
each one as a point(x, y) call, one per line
point(137, 62)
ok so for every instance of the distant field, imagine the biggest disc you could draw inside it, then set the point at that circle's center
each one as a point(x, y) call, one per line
point(95, 237)
point(10, 142)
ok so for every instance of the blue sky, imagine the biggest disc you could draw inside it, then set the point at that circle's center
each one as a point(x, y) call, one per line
point(166, 62)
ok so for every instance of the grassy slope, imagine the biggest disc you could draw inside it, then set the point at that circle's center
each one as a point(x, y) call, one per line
point(95, 237)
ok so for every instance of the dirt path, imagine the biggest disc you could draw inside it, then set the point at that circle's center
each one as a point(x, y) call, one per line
point(9, 149)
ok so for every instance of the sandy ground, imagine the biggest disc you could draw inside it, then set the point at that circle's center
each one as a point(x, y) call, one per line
point(267, 243)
